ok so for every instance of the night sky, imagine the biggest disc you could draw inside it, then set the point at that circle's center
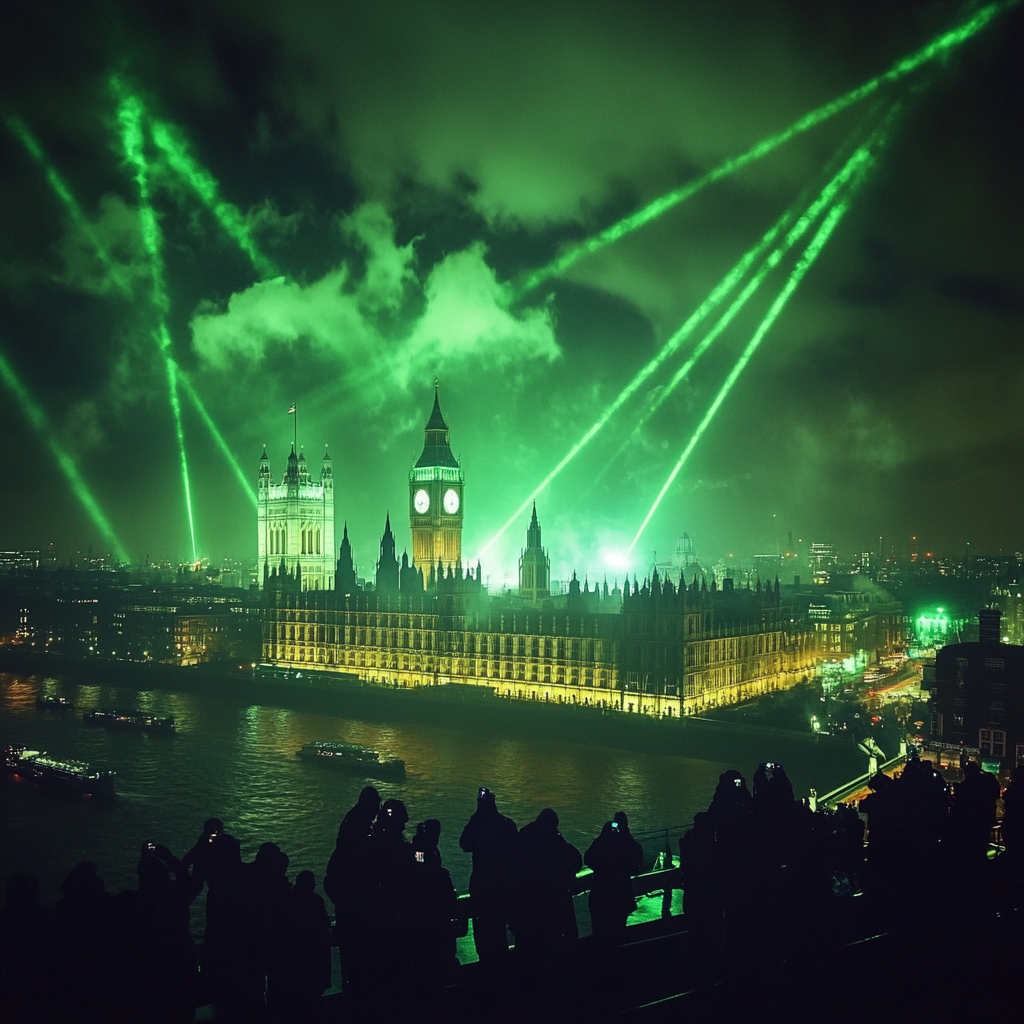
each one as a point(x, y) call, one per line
point(402, 167)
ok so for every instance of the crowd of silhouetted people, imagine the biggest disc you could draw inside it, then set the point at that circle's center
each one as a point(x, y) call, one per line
point(759, 869)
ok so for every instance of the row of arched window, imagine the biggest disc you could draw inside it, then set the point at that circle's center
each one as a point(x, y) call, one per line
point(309, 541)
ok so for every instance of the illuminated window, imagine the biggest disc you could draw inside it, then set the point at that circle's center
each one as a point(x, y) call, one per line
point(992, 742)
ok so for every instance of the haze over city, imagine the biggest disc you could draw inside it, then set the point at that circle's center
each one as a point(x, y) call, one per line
point(396, 175)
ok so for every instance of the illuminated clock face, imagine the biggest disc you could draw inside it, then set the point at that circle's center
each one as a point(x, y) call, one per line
point(451, 502)
point(421, 502)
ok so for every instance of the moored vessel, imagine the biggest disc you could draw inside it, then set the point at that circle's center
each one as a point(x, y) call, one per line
point(351, 755)
point(58, 773)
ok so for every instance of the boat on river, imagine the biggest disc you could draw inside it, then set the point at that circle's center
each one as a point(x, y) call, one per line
point(353, 757)
point(58, 773)
point(133, 721)
point(53, 703)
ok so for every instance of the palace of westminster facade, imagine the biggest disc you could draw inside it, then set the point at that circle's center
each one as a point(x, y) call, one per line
point(661, 648)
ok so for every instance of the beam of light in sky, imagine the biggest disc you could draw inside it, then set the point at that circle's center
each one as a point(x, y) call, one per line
point(37, 418)
point(169, 140)
point(851, 170)
point(129, 119)
point(217, 436)
point(172, 388)
point(718, 294)
point(939, 47)
point(803, 265)
point(74, 210)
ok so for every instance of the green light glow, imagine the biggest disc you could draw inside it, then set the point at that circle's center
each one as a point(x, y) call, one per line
point(19, 130)
point(217, 436)
point(718, 294)
point(168, 139)
point(931, 627)
point(129, 119)
point(803, 265)
point(857, 163)
point(172, 388)
point(937, 48)
point(37, 418)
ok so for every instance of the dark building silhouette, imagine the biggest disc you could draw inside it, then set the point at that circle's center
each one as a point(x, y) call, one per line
point(977, 699)
point(534, 565)
point(387, 564)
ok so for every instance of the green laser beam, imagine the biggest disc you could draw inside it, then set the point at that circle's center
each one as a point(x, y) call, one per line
point(172, 388)
point(129, 119)
point(940, 46)
point(168, 139)
point(74, 209)
point(803, 265)
point(215, 433)
point(717, 295)
point(39, 422)
point(856, 165)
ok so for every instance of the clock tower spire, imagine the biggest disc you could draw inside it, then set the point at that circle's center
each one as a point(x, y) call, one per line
point(435, 497)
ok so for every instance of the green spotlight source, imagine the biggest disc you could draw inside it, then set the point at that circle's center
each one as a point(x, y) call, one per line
point(939, 47)
point(37, 418)
point(215, 433)
point(169, 140)
point(803, 265)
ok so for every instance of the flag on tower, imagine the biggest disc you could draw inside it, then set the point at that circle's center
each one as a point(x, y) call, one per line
point(291, 411)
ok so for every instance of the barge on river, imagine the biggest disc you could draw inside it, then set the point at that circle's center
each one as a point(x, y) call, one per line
point(134, 721)
point(58, 773)
point(354, 757)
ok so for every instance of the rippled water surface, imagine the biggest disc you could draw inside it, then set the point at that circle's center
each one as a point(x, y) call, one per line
point(237, 761)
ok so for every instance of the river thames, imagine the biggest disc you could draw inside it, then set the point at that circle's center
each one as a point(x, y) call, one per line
point(237, 760)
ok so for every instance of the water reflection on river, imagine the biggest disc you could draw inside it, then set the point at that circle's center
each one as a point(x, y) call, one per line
point(238, 762)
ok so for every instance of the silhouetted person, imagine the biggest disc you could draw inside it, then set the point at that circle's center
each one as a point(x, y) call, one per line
point(731, 816)
point(542, 915)
point(702, 903)
point(391, 855)
point(26, 953)
point(86, 945)
point(156, 955)
point(491, 838)
point(216, 860)
point(267, 896)
point(351, 884)
point(300, 969)
point(883, 851)
point(614, 857)
point(974, 813)
point(428, 938)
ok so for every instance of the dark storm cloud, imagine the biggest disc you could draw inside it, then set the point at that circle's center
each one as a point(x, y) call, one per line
point(402, 162)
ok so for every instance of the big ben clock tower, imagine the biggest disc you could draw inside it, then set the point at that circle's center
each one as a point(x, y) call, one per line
point(435, 498)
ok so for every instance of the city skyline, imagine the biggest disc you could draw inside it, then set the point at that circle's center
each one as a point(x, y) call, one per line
point(329, 209)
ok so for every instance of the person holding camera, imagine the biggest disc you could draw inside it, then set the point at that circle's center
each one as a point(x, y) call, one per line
point(491, 838)
point(614, 857)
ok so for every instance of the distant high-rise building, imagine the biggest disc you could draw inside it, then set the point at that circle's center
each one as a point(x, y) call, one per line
point(295, 521)
point(823, 561)
point(534, 565)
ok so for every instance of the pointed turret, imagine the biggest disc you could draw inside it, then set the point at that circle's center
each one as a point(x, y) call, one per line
point(534, 564)
point(387, 564)
point(291, 473)
point(345, 576)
